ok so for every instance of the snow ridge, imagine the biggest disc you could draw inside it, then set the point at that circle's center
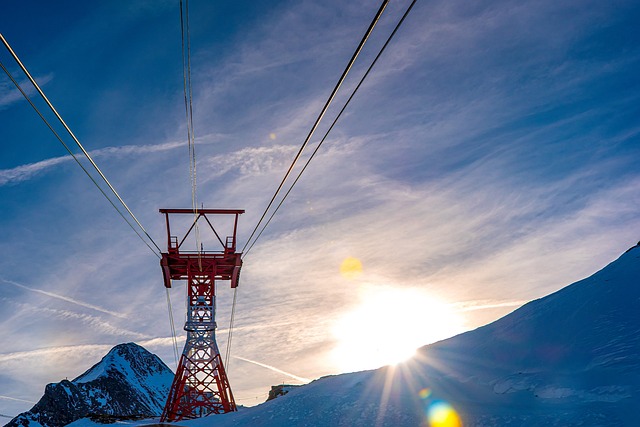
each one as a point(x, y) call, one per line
point(571, 358)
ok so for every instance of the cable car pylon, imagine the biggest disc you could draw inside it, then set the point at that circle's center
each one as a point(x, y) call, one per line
point(200, 386)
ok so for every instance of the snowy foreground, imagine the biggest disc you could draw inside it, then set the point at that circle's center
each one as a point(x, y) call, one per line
point(569, 359)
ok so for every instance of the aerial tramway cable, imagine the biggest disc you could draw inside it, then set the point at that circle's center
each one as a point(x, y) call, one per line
point(393, 33)
point(86, 154)
point(188, 105)
point(188, 108)
point(230, 333)
point(320, 116)
point(188, 97)
point(173, 327)
point(304, 144)
point(46, 122)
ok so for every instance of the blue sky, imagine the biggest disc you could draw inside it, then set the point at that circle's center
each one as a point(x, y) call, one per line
point(489, 159)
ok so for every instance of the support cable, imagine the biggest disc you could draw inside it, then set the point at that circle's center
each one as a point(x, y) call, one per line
point(188, 108)
point(46, 122)
point(95, 166)
point(320, 116)
point(230, 334)
point(188, 102)
point(304, 144)
point(173, 328)
point(332, 125)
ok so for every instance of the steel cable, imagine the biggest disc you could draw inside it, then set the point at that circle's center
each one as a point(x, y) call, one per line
point(173, 328)
point(320, 116)
point(95, 166)
point(46, 122)
point(230, 334)
point(332, 124)
point(304, 144)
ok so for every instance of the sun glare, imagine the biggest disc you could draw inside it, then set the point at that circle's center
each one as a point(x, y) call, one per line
point(388, 326)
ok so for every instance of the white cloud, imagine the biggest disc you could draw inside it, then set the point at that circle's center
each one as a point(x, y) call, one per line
point(25, 172)
point(94, 322)
point(273, 368)
point(250, 161)
point(66, 299)
point(9, 94)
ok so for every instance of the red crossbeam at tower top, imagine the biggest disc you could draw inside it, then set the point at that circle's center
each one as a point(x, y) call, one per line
point(177, 263)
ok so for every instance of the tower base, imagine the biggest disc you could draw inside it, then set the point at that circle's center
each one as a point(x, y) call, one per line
point(200, 387)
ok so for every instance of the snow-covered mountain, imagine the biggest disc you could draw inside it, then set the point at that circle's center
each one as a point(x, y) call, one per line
point(569, 359)
point(128, 382)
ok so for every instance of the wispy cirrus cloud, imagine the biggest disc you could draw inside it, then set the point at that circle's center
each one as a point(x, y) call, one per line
point(96, 323)
point(251, 161)
point(9, 94)
point(66, 299)
point(274, 369)
point(25, 172)
point(16, 399)
point(49, 351)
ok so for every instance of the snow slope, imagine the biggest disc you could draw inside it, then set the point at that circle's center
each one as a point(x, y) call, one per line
point(569, 359)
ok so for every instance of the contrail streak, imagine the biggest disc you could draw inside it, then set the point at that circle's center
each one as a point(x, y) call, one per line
point(27, 171)
point(42, 352)
point(274, 369)
point(67, 299)
point(88, 319)
point(476, 306)
point(16, 399)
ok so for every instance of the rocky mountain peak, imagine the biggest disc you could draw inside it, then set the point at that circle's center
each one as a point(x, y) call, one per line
point(128, 382)
point(129, 359)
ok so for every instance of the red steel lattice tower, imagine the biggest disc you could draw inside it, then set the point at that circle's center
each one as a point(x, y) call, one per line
point(201, 386)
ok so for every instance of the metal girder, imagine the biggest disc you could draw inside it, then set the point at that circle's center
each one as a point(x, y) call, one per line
point(201, 386)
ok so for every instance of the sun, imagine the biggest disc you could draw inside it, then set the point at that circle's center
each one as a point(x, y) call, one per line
point(389, 325)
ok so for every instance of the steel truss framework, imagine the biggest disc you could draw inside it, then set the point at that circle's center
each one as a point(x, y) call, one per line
point(200, 386)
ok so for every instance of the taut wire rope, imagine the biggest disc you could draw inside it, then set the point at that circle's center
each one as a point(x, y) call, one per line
point(24, 94)
point(230, 333)
point(304, 144)
point(185, 38)
point(333, 124)
point(46, 122)
point(173, 328)
point(321, 115)
point(95, 166)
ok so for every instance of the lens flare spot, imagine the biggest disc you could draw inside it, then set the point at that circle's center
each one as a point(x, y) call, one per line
point(425, 393)
point(272, 136)
point(351, 268)
point(441, 414)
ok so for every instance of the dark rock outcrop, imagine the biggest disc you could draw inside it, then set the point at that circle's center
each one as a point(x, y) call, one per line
point(280, 390)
